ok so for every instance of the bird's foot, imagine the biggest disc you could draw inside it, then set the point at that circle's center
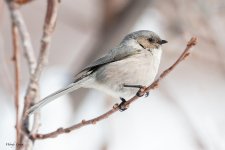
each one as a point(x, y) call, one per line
point(146, 94)
point(122, 105)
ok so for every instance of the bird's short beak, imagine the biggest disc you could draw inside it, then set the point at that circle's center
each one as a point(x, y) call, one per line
point(163, 42)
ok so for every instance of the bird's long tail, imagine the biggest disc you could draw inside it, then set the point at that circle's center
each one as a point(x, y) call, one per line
point(53, 96)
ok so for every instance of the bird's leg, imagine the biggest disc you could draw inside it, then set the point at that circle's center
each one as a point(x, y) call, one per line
point(141, 89)
point(121, 105)
point(133, 86)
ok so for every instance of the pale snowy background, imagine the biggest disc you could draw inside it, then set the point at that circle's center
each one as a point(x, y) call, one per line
point(187, 111)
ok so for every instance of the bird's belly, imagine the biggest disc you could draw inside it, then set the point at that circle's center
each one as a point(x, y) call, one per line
point(136, 70)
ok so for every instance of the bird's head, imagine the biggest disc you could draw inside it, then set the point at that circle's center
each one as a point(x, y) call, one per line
point(146, 39)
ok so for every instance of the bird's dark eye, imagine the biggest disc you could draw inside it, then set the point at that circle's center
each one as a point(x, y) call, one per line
point(151, 40)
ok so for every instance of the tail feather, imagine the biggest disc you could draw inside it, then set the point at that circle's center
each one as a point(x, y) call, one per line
point(53, 96)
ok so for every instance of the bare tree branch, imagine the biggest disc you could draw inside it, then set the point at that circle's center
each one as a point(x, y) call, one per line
point(16, 59)
point(186, 52)
point(18, 20)
point(49, 26)
point(32, 93)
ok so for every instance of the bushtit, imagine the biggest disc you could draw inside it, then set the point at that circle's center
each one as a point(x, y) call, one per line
point(124, 69)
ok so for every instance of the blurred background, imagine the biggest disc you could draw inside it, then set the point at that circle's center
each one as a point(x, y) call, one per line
point(186, 112)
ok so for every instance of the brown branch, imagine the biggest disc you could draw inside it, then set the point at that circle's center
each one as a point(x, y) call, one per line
point(49, 24)
point(32, 93)
point(191, 43)
point(35, 67)
point(19, 24)
point(18, 20)
point(16, 59)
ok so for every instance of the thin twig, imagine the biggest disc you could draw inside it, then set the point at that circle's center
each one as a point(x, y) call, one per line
point(16, 59)
point(191, 43)
point(32, 94)
point(35, 67)
point(17, 18)
point(49, 26)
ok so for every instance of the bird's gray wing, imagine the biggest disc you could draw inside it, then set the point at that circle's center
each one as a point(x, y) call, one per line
point(114, 55)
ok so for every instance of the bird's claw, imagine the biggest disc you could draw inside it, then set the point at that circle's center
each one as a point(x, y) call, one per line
point(146, 94)
point(140, 92)
point(122, 105)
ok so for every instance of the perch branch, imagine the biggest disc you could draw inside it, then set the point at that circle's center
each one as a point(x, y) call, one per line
point(16, 59)
point(186, 52)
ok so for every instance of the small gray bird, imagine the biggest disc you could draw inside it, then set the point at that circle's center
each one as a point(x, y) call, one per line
point(133, 63)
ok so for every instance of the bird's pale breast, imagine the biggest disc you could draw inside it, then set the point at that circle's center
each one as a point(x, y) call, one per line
point(139, 69)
